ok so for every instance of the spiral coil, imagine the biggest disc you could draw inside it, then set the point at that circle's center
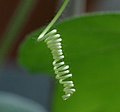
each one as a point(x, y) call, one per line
point(53, 41)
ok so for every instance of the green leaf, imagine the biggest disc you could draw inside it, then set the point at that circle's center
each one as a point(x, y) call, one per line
point(91, 45)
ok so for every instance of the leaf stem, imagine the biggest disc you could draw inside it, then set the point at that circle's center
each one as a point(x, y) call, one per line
point(54, 20)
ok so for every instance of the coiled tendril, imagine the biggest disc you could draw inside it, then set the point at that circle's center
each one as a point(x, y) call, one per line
point(53, 41)
point(62, 72)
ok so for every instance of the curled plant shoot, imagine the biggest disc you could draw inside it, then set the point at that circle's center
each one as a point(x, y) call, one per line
point(53, 41)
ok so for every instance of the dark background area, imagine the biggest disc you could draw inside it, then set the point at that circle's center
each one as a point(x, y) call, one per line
point(42, 13)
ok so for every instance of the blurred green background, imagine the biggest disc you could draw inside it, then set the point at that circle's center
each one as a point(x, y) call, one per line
point(91, 46)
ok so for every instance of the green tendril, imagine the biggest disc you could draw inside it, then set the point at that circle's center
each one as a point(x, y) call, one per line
point(54, 20)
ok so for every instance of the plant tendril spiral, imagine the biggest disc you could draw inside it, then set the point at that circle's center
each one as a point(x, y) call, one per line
point(62, 72)
point(53, 41)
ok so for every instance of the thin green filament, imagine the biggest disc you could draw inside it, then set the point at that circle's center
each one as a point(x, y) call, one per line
point(54, 20)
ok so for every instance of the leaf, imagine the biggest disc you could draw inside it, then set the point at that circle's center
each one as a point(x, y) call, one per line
point(91, 45)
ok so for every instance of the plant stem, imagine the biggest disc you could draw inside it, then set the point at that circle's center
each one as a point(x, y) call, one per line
point(16, 24)
point(54, 20)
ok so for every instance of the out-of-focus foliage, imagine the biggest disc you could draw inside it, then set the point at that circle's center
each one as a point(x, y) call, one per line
point(92, 49)
point(14, 27)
